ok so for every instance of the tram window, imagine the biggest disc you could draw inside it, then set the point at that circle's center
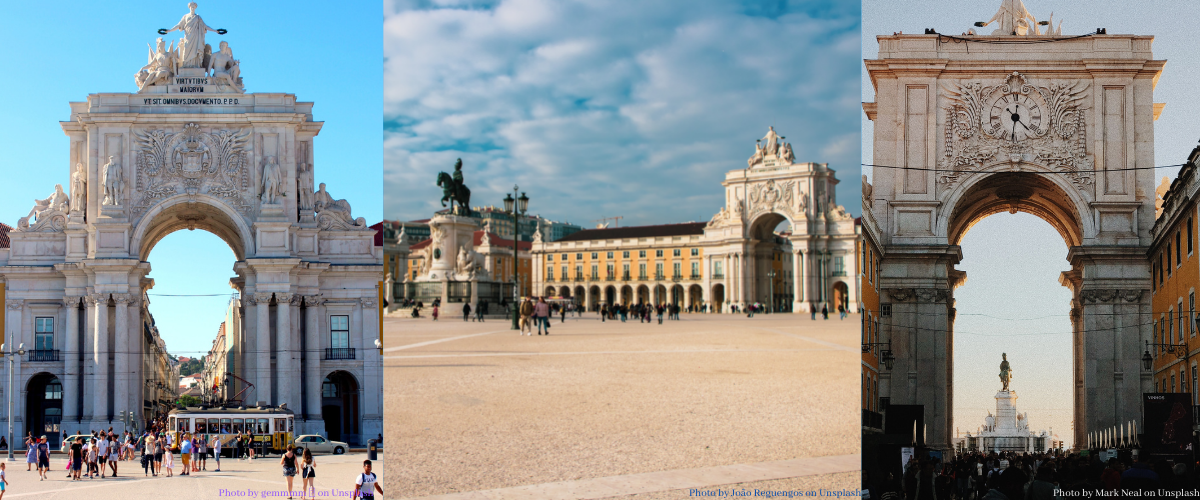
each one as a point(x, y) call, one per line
point(262, 426)
point(201, 426)
point(291, 422)
point(183, 425)
point(225, 426)
point(171, 424)
point(280, 424)
point(238, 426)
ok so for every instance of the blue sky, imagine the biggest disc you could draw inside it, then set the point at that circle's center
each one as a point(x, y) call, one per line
point(324, 52)
point(600, 109)
point(1012, 261)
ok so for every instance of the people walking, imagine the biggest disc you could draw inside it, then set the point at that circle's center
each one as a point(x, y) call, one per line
point(435, 312)
point(288, 461)
point(43, 455)
point(541, 315)
point(466, 311)
point(308, 474)
point(365, 485)
point(185, 456)
point(216, 447)
point(168, 460)
point(526, 312)
point(825, 311)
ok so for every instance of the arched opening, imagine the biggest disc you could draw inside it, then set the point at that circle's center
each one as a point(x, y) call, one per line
point(677, 295)
point(660, 295)
point(695, 298)
point(1012, 302)
point(564, 292)
point(643, 294)
point(339, 407)
point(626, 295)
point(44, 407)
point(718, 297)
point(610, 295)
point(549, 292)
point(594, 298)
point(841, 296)
point(770, 261)
point(580, 296)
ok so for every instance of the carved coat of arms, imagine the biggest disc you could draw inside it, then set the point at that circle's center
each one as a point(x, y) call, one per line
point(192, 161)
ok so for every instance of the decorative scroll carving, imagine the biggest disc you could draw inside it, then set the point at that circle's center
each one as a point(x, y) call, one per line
point(1047, 127)
point(313, 300)
point(1111, 295)
point(14, 304)
point(192, 161)
point(934, 295)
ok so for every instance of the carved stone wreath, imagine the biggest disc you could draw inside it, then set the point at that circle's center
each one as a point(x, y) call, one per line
point(192, 161)
point(1110, 295)
point(1061, 144)
point(934, 295)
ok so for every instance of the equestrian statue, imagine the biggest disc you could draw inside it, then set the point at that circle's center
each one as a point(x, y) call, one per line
point(453, 190)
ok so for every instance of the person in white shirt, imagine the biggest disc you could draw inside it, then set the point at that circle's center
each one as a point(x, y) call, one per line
point(365, 485)
point(216, 447)
point(102, 455)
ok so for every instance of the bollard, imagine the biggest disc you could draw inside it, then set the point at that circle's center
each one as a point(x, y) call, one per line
point(372, 451)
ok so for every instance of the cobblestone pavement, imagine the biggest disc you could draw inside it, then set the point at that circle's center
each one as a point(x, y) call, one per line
point(473, 406)
point(245, 479)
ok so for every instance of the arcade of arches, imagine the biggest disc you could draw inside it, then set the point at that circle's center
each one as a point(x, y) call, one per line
point(737, 259)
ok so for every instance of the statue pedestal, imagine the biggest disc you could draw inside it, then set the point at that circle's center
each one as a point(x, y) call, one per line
point(450, 233)
point(1006, 412)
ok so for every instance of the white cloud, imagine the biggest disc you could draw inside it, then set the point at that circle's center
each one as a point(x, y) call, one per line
point(600, 108)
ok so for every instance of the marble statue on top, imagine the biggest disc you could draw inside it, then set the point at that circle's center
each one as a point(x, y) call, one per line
point(1013, 19)
point(1005, 371)
point(335, 214)
point(49, 213)
point(191, 48)
point(160, 66)
point(224, 69)
point(772, 148)
point(113, 181)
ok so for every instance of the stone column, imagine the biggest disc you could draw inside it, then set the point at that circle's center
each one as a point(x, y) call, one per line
point(313, 354)
point(82, 358)
point(797, 282)
point(727, 278)
point(121, 375)
point(70, 357)
point(100, 360)
point(133, 343)
point(262, 348)
point(285, 369)
point(371, 407)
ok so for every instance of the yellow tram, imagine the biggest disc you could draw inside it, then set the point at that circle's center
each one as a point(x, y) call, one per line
point(271, 427)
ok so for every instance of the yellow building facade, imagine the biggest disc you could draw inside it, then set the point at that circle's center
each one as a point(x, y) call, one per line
point(1175, 272)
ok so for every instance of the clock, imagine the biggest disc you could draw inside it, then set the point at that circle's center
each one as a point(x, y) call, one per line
point(1015, 117)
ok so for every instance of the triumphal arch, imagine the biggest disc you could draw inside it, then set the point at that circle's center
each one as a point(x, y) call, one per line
point(191, 149)
point(1020, 119)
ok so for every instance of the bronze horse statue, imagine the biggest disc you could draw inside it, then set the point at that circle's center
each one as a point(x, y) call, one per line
point(454, 192)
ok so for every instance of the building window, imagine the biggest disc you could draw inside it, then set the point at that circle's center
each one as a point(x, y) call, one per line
point(1192, 313)
point(695, 269)
point(695, 252)
point(658, 270)
point(549, 257)
point(609, 255)
point(675, 269)
point(675, 252)
point(595, 272)
point(54, 388)
point(1170, 325)
point(838, 267)
point(1189, 238)
point(564, 257)
point(43, 333)
point(339, 332)
point(642, 254)
point(329, 389)
point(564, 273)
point(609, 268)
point(1178, 253)
point(642, 271)
point(625, 271)
point(658, 253)
point(1193, 384)
point(717, 265)
point(1180, 314)
point(625, 254)
point(579, 256)
point(550, 273)
point(1172, 382)
point(578, 272)
point(1168, 259)
point(594, 255)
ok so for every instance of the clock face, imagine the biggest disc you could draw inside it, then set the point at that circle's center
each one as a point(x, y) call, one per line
point(1015, 117)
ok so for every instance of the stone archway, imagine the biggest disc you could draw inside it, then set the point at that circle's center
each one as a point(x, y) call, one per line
point(643, 294)
point(339, 407)
point(44, 407)
point(239, 165)
point(1077, 170)
point(718, 298)
point(626, 295)
point(594, 298)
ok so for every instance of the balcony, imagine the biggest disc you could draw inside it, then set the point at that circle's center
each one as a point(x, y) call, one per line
point(694, 277)
point(677, 278)
point(595, 277)
point(718, 276)
point(625, 277)
point(43, 355)
point(659, 277)
point(578, 278)
point(335, 353)
point(641, 277)
point(840, 273)
point(610, 277)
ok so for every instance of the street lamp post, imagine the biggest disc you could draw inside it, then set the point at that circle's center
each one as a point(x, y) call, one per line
point(771, 291)
point(1179, 350)
point(9, 354)
point(516, 206)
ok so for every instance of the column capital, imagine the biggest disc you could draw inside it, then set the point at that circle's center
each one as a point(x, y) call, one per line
point(313, 300)
point(96, 298)
point(71, 301)
point(14, 304)
point(260, 297)
point(283, 298)
point(368, 301)
point(121, 299)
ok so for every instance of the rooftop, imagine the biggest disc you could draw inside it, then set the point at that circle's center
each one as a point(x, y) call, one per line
point(613, 233)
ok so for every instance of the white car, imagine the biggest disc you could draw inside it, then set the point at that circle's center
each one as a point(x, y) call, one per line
point(318, 444)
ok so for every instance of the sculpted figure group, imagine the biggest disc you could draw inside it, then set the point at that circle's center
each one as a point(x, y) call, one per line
point(165, 60)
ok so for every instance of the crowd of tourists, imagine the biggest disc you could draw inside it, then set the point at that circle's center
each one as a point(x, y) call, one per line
point(1039, 476)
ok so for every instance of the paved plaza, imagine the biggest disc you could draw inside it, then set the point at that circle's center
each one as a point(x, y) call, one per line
point(621, 410)
point(245, 479)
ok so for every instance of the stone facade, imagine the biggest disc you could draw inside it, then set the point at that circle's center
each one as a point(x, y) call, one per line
point(190, 150)
point(966, 130)
point(739, 247)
